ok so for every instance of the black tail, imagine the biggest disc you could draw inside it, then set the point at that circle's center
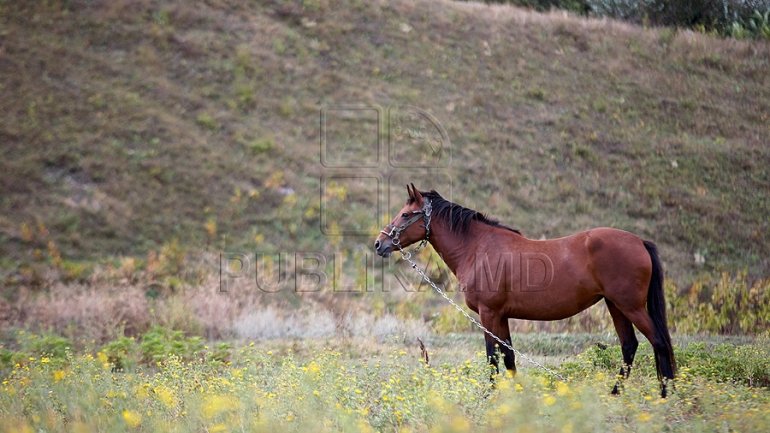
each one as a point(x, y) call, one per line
point(656, 308)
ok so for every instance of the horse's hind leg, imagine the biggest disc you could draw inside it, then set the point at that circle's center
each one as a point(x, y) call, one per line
point(663, 361)
point(628, 342)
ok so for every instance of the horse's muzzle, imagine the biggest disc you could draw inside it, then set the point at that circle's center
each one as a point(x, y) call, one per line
point(383, 247)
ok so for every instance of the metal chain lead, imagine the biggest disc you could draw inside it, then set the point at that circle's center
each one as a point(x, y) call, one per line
point(407, 255)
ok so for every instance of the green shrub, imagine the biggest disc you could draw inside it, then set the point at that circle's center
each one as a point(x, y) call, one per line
point(122, 353)
point(75, 271)
point(48, 345)
point(577, 6)
point(261, 145)
point(206, 121)
point(159, 343)
point(727, 305)
point(735, 18)
point(448, 321)
point(749, 364)
point(222, 353)
point(9, 357)
point(755, 26)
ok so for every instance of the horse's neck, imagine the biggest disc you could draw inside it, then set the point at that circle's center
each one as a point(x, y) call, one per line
point(452, 247)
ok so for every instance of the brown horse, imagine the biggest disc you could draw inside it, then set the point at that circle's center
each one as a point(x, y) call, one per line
point(505, 276)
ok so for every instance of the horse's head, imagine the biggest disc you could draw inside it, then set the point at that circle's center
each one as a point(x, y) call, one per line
point(404, 229)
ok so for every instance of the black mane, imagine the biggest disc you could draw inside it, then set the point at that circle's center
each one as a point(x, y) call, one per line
point(458, 217)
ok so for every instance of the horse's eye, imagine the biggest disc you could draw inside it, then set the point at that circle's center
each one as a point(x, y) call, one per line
point(405, 215)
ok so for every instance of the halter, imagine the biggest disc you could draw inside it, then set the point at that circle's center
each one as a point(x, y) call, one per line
point(393, 232)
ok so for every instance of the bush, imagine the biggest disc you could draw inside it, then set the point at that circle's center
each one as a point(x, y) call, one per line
point(121, 353)
point(577, 6)
point(159, 343)
point(48, 345)
point(757, 26)
point(736, 18)
point(728, 305)
point(728, 363)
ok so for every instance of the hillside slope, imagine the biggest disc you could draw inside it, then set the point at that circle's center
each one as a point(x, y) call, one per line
point(127, 124)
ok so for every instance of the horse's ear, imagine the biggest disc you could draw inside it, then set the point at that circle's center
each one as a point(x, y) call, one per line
point(409, 191)
point(416, 194)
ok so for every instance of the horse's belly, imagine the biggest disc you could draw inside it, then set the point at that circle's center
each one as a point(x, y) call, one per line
point(546, 307)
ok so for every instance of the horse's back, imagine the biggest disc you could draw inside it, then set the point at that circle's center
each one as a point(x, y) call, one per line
point(556, 278)
point(604, 256)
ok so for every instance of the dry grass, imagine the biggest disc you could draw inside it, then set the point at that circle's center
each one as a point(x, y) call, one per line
point(103, 310)
point(157, 118)
point(87, 312)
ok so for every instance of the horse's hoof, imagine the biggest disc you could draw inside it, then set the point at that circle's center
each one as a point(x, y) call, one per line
point(615, 390)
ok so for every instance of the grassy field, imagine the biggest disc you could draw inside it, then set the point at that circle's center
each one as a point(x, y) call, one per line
point(144, 144)
point(357, 385)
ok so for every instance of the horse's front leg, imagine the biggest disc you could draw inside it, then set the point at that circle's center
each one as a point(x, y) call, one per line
point(498, 325)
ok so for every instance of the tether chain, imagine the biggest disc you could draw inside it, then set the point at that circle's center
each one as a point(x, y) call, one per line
point(407, 255)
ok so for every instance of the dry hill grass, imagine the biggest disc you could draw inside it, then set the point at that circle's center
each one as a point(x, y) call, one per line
point(127, 124)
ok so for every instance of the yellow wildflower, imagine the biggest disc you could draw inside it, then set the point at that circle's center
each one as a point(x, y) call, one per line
point(58, 375)
point(132, 419)
point(104, 360)
point(313, 367)
point(141, 392)
point(165, 395)
point(215, 404)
